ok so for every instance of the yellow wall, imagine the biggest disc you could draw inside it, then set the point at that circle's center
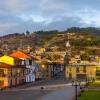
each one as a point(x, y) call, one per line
point(8, 78)
point(90, 71)
point(5, 79)
point(71, 70)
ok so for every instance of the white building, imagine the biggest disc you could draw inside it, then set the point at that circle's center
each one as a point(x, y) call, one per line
point(30, 70)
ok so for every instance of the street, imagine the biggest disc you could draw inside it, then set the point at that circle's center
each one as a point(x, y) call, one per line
point(60, 91)
point(22, 95)
point(66, 93)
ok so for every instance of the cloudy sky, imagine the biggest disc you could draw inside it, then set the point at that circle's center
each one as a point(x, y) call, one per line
point(33, 15)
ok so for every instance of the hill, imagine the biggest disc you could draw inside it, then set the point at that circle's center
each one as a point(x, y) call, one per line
point(78, 37)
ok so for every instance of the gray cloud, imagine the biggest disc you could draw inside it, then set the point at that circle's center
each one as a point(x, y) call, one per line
point(20, 15)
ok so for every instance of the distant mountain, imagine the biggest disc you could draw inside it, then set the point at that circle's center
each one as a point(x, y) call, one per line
point(88, 30)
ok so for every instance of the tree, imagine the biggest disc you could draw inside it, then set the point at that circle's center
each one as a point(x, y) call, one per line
point(27, 32)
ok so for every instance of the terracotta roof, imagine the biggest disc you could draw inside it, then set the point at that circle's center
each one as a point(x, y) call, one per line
point(19, 55)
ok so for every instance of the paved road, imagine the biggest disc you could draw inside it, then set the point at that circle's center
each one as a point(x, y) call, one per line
point(58, 93)
point(42, 83)
point(22, 95)
point(61, 94)
point(52, 91)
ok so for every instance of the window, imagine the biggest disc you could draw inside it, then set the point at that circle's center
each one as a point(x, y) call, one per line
point(2, 73)
point(30, 62)
point(98, 72)
point(77, 69)
point(70, 69)
point(23, 62)
point(84, 69)
point(18, 62)
point(78, 61)
point(1, 82)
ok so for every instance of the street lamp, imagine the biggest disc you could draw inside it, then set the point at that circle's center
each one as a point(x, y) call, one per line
point(76, 84)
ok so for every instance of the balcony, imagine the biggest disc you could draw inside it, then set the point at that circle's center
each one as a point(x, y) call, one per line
point(97, 71)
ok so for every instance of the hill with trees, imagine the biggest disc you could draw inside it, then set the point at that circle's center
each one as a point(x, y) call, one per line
point(79, 38)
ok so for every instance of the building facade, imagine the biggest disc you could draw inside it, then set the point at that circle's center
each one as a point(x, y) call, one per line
point(30, 70)
point(81, 71)
point(29, 64)
point(12, 72)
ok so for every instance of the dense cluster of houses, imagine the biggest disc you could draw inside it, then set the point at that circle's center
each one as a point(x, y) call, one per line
point(18, 68)
point(74, 68)
point(80, 69)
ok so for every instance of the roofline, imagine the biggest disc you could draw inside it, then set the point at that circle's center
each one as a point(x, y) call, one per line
point(83, 64)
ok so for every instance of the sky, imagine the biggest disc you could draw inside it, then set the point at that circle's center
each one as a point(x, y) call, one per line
point(34, 15)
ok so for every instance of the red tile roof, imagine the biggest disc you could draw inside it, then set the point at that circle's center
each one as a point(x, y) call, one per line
point(19, 55)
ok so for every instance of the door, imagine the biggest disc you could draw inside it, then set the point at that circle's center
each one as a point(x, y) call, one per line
point(70, 75)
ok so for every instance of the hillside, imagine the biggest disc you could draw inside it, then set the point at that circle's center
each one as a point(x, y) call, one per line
point(78, 37)
point(90, 30)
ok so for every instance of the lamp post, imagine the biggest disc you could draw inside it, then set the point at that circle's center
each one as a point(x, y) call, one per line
point(76, 84)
